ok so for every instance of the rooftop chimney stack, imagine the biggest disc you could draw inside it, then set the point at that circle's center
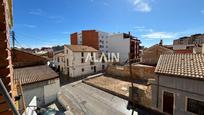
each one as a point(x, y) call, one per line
point(161, 42)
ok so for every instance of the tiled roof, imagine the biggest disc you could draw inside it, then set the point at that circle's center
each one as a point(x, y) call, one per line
point(187, 65)
point(157, 46)
point(22, 59)
point(28, 75)
point(81, 48)
point(60, 51)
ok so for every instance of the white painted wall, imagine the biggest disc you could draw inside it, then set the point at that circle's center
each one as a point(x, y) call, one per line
point(116, 44)
point(75, 66)
point(103, 41)
point(45, 92)
point(61, 61)
point(50, 91)
point(79, 38)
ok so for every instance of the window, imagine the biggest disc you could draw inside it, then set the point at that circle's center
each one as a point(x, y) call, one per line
point(82, 54)
point(82, 60)
point(195, 106)
point(82, 69)
point(103, 67)
point(67, 62)
point(101, 46)
point(58, 59)
point(67, 51)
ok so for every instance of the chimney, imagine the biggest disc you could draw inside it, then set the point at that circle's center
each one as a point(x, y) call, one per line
point(202, 48)
point(161, 42)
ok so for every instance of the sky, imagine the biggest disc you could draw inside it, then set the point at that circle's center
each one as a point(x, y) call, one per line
point(43, 23)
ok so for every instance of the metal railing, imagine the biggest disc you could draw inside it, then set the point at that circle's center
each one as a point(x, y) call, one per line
point(7, 97)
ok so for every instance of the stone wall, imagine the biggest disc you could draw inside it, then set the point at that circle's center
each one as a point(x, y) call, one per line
point(142, 96)
point(139, 71)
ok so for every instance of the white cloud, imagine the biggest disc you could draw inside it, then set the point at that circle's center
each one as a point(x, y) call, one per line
point(142, 5)
point(29, 26)
point(56, 19)
point(160, 35)
point(138, 27)
point(142, 29)
point(36, 12)
point(66, 33)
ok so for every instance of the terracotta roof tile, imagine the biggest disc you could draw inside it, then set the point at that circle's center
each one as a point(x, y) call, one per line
point(27, 75)
point(188, 65)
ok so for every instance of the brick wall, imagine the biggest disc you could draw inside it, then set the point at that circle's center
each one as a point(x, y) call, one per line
point(139, 71)
point(22, 59)
point(74, 39)
point(183, 51)
point(90, 38)
point(6, 69)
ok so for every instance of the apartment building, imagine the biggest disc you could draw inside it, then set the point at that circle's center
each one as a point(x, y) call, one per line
point(76, 64)
point(178, 88)
point(92, 38)
point(124, 44)
point(108, 43)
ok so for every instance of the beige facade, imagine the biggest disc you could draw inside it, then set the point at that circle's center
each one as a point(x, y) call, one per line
point(139, 71)
point(46, 92)
point(151, 55)
point(75, 62)
point(193, 39)
point(178, 87)
point(182, 90)
point(59, 61)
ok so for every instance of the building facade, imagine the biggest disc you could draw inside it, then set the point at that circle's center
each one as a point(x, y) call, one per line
point(150, 56)
point(124, 44)
point(92, 38)
point(193, 39)
point(76, 64)
point(40, 81)
point(59, 61)
point(108, 43)
point(178, 88)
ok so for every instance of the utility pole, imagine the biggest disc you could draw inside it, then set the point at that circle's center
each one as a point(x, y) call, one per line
point(13, 38)
point(13, 41)
point(131, 77)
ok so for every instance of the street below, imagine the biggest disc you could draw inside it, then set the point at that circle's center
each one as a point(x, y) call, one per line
point(92, 101)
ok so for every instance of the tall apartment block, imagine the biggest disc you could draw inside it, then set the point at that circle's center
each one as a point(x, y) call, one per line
point(93, 38)
point(124, 44)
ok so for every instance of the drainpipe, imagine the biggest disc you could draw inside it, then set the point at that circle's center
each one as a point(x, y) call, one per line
point(157, 104)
